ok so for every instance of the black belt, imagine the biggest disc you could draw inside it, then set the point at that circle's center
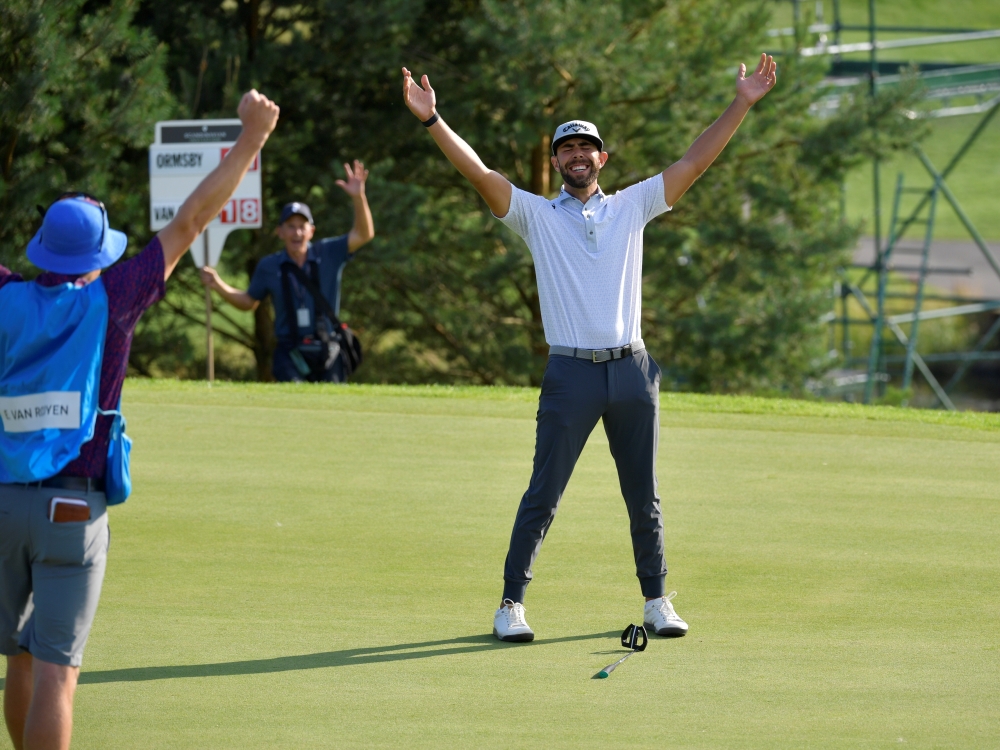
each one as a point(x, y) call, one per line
point(76, 484)
point(599, 355)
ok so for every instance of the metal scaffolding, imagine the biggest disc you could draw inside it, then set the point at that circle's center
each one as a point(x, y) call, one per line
point(943, 83)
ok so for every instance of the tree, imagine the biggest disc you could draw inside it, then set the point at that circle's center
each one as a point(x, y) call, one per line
point(80, 88)
point(735, 278)
point(330, 66)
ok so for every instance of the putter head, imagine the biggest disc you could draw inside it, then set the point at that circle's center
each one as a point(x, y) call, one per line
point(634, 637)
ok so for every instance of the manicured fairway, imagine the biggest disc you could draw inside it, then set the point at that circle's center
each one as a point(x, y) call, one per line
point(309, 567)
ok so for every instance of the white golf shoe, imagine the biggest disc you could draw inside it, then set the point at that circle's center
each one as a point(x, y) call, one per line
point(509, 624)
point(660, 618)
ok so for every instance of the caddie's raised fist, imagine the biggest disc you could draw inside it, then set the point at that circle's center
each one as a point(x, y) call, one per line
point(258, 114)
point(419, 98)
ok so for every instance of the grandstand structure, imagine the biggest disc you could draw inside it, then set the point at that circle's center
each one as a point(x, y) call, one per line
point(950, 90)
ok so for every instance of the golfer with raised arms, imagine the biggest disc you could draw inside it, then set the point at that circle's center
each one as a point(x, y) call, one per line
point(587, 249)
point(64, 346)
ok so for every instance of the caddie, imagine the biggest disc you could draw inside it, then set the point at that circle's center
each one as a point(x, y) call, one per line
point(587, 250)
point(64, 346)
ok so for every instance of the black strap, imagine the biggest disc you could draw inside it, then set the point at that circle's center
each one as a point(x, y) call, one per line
point(290, 312)
point(341, 341)
point(312, 287)
point(77, 484)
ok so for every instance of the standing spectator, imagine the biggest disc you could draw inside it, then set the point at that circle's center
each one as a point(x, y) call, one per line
point(64, 345)
point(300, 325)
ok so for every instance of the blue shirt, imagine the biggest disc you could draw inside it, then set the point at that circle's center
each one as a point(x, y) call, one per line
point(331, 255)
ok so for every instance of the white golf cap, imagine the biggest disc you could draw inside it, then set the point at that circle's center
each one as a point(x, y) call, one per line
point(577, 129)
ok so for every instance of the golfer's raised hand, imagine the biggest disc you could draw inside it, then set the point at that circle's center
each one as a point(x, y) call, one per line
point(355, 182)
point(752, 89)
point(419, 98)
point(258, 114)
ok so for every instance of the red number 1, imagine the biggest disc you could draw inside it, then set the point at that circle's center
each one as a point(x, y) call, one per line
point(228, 213)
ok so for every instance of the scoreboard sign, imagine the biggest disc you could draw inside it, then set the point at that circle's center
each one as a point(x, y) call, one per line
point(183, 153)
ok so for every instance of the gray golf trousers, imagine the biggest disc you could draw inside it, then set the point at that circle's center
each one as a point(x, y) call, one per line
point(576, 393)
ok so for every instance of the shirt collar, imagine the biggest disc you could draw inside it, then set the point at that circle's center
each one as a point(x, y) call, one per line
point(564, 196)
point(50, 278)
point(310, 253)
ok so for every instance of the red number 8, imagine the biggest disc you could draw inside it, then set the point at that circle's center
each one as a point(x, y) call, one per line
point(249, 211)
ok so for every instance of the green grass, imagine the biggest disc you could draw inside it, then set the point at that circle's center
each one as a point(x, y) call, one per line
point(318, 566)
point(964, 14)
point(975, 182)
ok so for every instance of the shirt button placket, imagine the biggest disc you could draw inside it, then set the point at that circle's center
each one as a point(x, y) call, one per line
point(588, 217)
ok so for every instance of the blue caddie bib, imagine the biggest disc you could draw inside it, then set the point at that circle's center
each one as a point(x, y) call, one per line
point(51, 346)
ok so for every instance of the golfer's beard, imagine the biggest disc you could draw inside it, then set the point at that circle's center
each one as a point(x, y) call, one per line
point(580, 182)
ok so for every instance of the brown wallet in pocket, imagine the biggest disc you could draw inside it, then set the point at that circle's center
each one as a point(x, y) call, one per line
point(68, 510)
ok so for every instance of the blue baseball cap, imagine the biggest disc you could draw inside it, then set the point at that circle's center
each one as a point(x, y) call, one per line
point(291, 209)
point(75, 237)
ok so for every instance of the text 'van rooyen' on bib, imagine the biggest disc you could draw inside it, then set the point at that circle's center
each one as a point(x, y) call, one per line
point(51, 346)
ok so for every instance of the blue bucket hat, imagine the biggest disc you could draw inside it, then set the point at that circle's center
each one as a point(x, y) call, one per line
point(75, 237)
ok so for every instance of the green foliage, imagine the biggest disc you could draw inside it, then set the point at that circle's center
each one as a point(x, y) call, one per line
point(735, 278)
point(894, 396)
point(838, 146)
point(80, 87)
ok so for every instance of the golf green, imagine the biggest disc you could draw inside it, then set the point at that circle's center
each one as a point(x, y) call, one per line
point(312, 566)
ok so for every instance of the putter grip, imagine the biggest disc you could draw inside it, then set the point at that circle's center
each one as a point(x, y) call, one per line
point(607, 670)
point(611, 667)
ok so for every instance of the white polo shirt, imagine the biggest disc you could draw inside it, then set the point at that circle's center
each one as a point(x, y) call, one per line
point(588, 260)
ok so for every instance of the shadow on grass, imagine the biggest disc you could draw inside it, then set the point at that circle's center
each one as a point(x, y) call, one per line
point(372, 655)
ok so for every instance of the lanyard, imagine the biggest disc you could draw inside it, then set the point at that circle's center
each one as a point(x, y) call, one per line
point(301, 295)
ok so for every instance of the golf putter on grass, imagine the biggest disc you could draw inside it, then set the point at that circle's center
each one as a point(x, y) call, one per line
point(631, 641)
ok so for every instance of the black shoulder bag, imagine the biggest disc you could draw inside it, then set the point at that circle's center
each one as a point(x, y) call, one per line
point(337, 341)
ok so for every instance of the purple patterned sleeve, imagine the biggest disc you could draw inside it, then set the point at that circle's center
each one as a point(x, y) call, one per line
point(134, 286)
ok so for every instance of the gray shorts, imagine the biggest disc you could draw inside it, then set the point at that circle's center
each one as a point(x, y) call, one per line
point(50, 574)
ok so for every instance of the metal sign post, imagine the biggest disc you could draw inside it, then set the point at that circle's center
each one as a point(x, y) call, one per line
point(183, 152)
point(209, 341)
